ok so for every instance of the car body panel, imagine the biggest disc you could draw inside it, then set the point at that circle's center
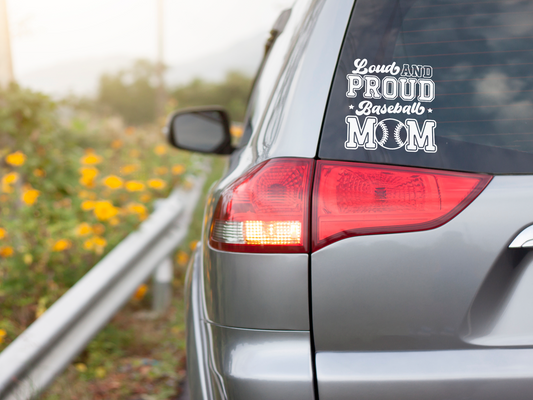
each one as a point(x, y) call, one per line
point(413, 291)
point(260, 364)
point(512, 321)
point(197, 356)
point(262, 291)
point(482, 374)
point(230, 363)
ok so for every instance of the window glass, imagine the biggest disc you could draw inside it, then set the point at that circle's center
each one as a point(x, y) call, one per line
point(435, 83)
point(269, 71)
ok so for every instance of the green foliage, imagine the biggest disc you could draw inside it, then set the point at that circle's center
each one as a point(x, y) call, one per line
point(42, 250)
point(231, 94)
point(131, 93)
point(55, 140)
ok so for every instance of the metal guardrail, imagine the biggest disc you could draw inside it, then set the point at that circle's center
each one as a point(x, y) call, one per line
point(46, 347)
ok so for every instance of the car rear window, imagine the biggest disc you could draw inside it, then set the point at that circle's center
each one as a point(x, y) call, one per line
point(435, 83)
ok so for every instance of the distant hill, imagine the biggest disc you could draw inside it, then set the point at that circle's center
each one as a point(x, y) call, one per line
point(81, 77)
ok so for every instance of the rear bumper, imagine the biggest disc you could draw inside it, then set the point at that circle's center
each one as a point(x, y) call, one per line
point(233, 363)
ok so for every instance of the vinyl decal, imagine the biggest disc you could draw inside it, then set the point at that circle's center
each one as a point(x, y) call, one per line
point(409, 83)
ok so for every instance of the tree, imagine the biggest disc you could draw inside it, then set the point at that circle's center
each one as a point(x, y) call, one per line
point(132, 93)
point(231, 94)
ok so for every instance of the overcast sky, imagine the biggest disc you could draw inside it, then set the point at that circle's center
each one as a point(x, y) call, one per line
point(47, 32)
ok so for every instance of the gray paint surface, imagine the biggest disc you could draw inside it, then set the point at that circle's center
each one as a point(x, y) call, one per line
point(513, 323)
point(488, 374)
point(262, 291)
point(230, 363)
point(254, 364)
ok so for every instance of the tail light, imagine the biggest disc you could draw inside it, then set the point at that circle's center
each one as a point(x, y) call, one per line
point(353, 199)
point(267, 210)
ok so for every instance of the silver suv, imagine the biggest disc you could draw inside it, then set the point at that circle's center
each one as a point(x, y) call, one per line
point(370, 237)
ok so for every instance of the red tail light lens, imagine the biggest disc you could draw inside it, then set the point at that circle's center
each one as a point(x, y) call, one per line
point(266, 211)
point(353, 199)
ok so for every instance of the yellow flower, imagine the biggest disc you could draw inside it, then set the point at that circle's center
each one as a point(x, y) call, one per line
point(182, 258)
point(134, 186)
point(6, 251)
point(83, 229)
point(84, 194)
point(128, 169)
point(161, 170)
point(88, 205)
point(3, 233)
point(100, 372)
point(80, 367)
point(16, 159)
point(104, 210)
point(160, 149)
point(157, 183)
point(39, 172)
point(61, 245)
point(85, 181)
point(145, 198)
point(95, 243)
point(99, 241)
point(91, 158)
point(98, 229)
point(29, 197)
point(10, 178)
point(113, 182)
point(130, 130)
point(236, 131)
point(140, 292)
point(88, 244)
point(3, 334)
point(134, 153)
point(99, 244)
point(89, 172)
point(114, 221)
point(116, 144)
point(28, 259)
point(41, 307)
point(178, 169)
point(136, 208)
point(193, 244)
point(6, 188)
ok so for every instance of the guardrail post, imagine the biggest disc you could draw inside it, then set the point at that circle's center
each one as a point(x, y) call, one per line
point(162, 286)
point(162, 281)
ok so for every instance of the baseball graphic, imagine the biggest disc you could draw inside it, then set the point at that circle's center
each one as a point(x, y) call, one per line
point(391, 134)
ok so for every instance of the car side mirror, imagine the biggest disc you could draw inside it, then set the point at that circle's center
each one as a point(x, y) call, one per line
point(201, 129)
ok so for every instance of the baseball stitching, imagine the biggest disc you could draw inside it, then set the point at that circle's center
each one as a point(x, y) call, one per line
point(397, 131)
point(385, 133)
